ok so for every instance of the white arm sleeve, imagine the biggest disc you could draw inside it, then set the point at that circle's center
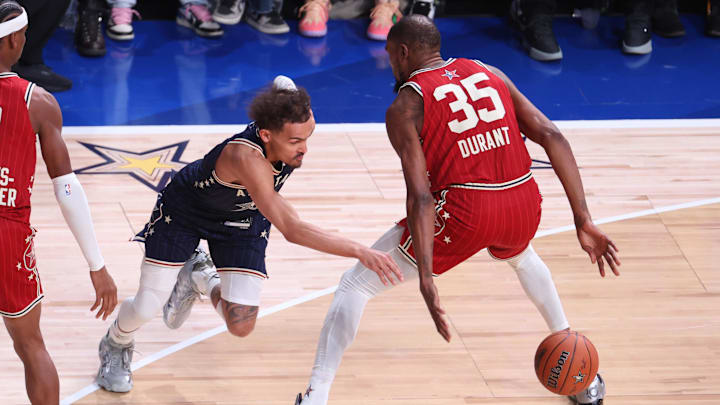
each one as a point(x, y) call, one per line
point(74, 206)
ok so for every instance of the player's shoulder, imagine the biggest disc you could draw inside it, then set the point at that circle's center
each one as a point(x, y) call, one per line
point(41, 98)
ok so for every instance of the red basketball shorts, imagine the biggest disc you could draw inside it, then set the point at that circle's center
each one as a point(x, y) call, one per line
point(20, 288)
point(469, 219)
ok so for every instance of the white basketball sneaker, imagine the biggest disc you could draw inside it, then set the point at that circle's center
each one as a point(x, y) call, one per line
point(186, 291)
point(593, 395)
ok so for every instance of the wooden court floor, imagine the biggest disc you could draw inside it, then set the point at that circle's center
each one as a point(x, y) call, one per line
point(657, 327)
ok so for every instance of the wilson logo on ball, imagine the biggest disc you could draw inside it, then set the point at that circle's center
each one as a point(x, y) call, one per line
point(552, 381)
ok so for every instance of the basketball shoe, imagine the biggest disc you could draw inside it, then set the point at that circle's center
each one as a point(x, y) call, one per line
point(423, 7)
point(666, 20)
point(382, 17)
point(315, 14)
point(229, 12)
point(119, 26)
point(197, 17)
point(593, 395)
point(186, 290)
point(637, 38)
point(535, 27)
point(114, 374)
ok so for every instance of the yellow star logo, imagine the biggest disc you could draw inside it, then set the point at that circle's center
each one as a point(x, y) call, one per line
point(146, 165)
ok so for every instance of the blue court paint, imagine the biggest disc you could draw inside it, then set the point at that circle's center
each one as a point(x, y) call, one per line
point(167, 75)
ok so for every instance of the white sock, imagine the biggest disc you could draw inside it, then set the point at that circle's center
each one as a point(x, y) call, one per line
point(205, 280)
point(537, 282)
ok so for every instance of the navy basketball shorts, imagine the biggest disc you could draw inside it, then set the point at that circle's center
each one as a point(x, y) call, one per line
point(236, 247)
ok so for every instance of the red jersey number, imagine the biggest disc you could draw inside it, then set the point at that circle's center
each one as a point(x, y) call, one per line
point(472, 116)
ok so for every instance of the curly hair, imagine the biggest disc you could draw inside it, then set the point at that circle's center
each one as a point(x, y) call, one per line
point(8, 8)
point(273, 107)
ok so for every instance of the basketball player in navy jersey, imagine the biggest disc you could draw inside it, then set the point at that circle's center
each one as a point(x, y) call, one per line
point(26, 110)
point(456, 125)
point(229, 198)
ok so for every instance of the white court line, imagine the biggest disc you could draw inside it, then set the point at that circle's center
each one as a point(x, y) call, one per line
point(309, 297)
point(373, 127)
point(199, 338)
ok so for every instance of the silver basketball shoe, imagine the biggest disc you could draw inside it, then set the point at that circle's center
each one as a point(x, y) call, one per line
point(178, 306)
point(593, 395)
point(114, 374)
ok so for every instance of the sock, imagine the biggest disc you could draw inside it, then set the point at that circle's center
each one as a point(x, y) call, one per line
point(537, 282)
point(118, 336)
point(205, 280)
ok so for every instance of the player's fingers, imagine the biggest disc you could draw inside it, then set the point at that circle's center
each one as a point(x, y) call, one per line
point(613, 245)
point(381, 275)
point(107, 306)
point(614, 255)
point(613, 265)
point(98, 298)
point(601, 266)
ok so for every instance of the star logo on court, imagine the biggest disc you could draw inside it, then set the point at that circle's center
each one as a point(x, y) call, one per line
point(579, 378)
point(447, 240)
point(153, 168)
point(451, 74)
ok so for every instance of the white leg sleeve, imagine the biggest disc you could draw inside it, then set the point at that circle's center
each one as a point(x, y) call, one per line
point(537, 282)
point(156, 284)
point(357, 286)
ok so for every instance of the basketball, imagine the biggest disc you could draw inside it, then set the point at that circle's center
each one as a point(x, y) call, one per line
point(566, 362)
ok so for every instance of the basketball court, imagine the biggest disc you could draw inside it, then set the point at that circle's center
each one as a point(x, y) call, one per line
point(656, 327)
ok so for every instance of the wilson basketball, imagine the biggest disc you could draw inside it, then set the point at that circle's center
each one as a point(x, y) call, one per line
point(566, 362)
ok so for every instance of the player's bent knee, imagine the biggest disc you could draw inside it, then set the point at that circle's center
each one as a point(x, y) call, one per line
point(242, 329)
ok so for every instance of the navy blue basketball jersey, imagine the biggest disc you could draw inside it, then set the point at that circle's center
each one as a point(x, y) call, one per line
point(196, 189)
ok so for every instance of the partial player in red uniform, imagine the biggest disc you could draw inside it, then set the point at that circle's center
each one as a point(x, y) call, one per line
point(26, 110)
point(456, 125)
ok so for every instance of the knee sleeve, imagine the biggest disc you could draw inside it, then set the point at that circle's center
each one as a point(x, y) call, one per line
point(156, 284)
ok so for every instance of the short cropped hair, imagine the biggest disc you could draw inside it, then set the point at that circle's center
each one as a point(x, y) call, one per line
point(416, 31)
point(8, 8)
point(273, 108)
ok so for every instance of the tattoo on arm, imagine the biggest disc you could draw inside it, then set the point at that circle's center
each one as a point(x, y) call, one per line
point(237, 313)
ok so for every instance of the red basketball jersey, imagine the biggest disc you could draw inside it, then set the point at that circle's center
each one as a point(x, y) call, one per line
point(470, 134)
point(17, 148)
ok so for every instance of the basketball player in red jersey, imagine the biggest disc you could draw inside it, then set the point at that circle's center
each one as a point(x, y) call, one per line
point(456, 125)
point(26, 110)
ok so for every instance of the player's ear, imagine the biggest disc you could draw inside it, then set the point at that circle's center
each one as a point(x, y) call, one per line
point(404, 51)
point(264, 135)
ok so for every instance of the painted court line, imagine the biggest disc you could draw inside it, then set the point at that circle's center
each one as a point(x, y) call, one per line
point(373, 127)
point(317, 294)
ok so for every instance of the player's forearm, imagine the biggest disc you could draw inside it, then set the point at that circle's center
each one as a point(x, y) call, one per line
point(74, 206)
point(563, 163)
point(421, 221)
point(310, 236)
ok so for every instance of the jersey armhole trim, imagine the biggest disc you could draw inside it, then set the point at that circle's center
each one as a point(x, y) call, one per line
point(28, 94)
point(413, 86)
point(251, 144)
point(481, 64)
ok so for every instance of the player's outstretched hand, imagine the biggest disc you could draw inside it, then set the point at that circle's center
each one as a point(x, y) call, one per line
point(432, 300)
point(105, 293)
point(599, 247)
point(382, 264)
